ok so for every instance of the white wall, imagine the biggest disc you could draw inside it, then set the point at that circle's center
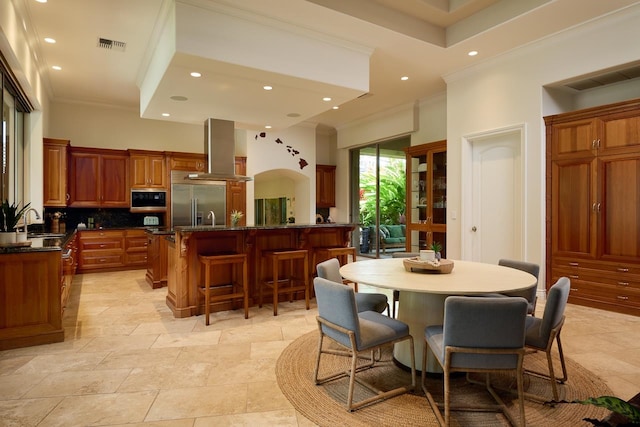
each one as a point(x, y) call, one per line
point(509, 91)
point(118, 128)
point(266, 154)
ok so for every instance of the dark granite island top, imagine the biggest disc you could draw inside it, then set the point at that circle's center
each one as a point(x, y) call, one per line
point(185, 272)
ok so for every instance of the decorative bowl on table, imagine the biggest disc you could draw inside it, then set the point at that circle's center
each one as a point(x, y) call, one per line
point(415, 264)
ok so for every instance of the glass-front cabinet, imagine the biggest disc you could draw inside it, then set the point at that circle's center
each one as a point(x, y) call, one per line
point(427, 196)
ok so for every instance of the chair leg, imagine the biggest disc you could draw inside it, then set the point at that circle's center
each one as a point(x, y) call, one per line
point(562, 362)
point(352, 380)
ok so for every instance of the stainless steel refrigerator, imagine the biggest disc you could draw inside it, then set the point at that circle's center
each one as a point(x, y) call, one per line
point(192, 201)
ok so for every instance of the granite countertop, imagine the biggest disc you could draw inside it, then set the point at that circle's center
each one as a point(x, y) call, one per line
point(188, 229)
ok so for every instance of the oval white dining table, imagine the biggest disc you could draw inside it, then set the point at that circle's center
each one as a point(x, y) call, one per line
point(422, 294)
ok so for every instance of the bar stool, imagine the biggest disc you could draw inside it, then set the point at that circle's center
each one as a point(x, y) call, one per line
point(342, 253)
point(292, 282)
point(236, 262)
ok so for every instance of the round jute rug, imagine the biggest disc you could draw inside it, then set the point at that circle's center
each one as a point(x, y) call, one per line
point(325, 404)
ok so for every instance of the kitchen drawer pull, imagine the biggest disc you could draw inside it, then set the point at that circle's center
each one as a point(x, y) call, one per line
point(623, 283)
point(574, 264)
point(574, 276)
point(623, 269)
point(574, 289)
point(622, 297)
point(103, 246)
point(103, 260)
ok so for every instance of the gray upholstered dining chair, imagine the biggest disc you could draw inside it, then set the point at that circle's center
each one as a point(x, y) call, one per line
point(396, 293)
point(339, 320)
point(528, 293)
point(330, 270)
point(542, 332)
point(483, 335)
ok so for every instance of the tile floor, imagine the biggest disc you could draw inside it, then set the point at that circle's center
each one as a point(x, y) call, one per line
point(126, 361)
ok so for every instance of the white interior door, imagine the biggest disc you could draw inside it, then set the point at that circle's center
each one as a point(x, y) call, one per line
point(496, 228)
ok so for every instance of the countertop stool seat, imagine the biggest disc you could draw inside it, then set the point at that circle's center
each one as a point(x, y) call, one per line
point(287, 280)
point(236, 287)
point(342, 253)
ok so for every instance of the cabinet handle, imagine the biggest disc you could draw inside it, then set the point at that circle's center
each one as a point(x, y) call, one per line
point(103, 246)
point(593, 207)
point(623, 269)
point(623, 283)
point(598, 144)
point(68, 197)
point(103, 260)
point(598, 207)
point(574, 276)
point(574, 289)
point(622, 297)
point(574, 264)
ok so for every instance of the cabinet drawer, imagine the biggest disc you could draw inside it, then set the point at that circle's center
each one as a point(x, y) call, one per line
point(98, 260)
point(601, 267)
point(97, 244)
point(136, 258)
point(136, 244)
point(605, 293)
point(100, 234)
point(619, 280)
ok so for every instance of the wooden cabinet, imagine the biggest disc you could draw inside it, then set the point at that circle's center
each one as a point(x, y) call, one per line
point(237, 193)
point(426, 196)
point(147, 169)
point(187, 162)
point(99, 178)
point(54, 187)
point(157, 247)
point(30, 312)
point(325, 186)
point(135, 248)
point(101, 249)
point(593, 205)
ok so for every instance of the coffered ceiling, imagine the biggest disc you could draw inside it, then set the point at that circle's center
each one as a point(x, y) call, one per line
point(353, 51)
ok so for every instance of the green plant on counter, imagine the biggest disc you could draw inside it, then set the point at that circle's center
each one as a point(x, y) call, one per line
point(11, 214)
point(436, 247)
point(236, 216)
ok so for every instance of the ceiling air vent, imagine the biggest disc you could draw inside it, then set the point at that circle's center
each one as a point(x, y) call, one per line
point(605, 79)
point(111, 44)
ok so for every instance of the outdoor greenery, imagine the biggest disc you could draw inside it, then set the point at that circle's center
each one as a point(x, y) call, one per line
point(392, 194)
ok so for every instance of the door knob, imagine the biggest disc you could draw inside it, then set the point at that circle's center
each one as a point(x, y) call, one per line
point(474, 229)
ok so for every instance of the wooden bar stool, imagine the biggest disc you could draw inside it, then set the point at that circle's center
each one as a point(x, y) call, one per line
point(342, 253)
point(237, 287)
point(291, 283)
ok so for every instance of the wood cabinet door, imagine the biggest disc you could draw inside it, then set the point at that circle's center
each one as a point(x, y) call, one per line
point(325, 186)
point(574, 208)
point(84, 185)
point(620, 133)
point(55, 172)
point(114, 181)
point(147, 171)
point(188, 162)
point(237, 193)
point(574, 139)
point(619, 208)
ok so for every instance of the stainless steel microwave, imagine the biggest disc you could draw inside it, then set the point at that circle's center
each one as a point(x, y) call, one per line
point(148, 200)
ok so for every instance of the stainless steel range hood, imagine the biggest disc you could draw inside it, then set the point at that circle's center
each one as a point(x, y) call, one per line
point(219, 148)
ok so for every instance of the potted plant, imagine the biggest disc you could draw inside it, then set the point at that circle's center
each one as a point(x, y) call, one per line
point(236, 216)
point(9, 216)
point(437, 248)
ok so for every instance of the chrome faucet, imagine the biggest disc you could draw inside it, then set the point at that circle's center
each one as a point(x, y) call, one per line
point(212, 217)
point(26, 214)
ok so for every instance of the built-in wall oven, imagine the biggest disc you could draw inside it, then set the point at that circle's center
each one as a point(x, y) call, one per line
point(151, 200)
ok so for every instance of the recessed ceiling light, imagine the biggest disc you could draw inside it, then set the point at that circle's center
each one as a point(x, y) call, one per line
point(165, 114)
point(179, 98)
point(404, 78)
point(56, 67)
point(335, 107)
point(196, 74)
point(267, 127)
point(41, 1)
point(326, 98)
point(473, 53)
point(49, 40)
point(267, 87)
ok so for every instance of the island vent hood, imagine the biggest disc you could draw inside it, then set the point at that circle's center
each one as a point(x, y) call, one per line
point(219, 148)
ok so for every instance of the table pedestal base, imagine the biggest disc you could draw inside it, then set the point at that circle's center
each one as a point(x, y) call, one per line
point(418, 310)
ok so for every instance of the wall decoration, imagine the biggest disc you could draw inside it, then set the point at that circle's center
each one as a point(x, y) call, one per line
point(302, 162)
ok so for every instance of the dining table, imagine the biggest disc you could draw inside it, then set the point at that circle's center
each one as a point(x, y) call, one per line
point(423, 292)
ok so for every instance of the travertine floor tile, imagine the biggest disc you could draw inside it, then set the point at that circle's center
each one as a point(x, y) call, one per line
point(79, 382)
point(26, 412)
point(199, 402)
point(286, 418)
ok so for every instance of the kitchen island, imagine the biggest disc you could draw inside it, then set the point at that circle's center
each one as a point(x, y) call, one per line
point(185, 272)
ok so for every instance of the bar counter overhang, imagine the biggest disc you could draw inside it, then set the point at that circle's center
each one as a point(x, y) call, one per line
point(185, 272)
